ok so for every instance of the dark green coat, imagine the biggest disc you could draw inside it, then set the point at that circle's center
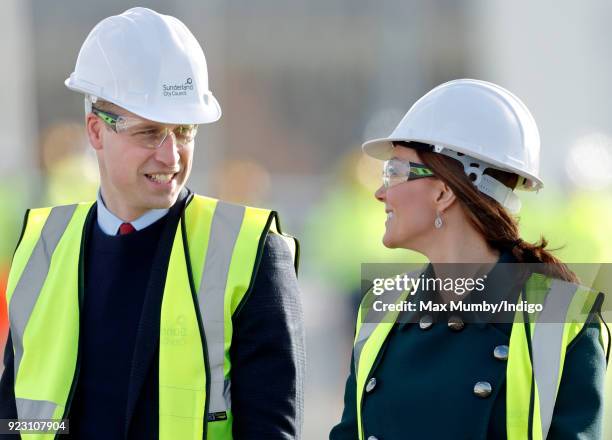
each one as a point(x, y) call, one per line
point(424, 381)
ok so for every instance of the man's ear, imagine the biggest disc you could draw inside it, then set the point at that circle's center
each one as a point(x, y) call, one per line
point(94, 127)
point(445, 196)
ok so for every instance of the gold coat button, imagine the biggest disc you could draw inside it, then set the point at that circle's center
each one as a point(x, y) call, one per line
point(455, 323)
point(370, 385)
point(483, 389)
point(501, 352)
point(425, 322)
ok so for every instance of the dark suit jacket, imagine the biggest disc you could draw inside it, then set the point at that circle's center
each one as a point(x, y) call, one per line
point(267, 354)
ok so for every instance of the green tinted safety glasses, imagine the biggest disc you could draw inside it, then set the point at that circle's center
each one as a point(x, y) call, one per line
point(144, 133)
point(396, 171)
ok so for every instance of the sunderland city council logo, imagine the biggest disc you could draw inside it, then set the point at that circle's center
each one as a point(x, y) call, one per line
point(178, 89)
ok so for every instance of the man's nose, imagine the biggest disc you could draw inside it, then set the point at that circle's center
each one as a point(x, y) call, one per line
point(167, 152)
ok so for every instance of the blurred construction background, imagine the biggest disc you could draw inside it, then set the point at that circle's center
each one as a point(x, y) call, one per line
point(302, 84)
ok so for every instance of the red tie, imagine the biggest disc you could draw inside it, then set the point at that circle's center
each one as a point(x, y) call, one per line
point(126, 228)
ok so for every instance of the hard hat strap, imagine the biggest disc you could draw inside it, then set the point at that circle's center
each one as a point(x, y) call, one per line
point(500, 192)
point(474, 169)
point(90, 100)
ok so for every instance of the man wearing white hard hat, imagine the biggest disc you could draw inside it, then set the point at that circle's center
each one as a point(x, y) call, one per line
point(448, 366)
point(152, 312)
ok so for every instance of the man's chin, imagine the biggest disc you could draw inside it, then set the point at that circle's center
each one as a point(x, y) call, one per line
point(162, 201)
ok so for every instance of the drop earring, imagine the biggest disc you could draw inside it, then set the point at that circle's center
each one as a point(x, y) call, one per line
point(438, 221)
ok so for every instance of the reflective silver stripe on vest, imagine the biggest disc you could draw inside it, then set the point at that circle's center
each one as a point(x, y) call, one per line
point(365, 331)
point(546, 347)
point(224, 232)
point(26, 294)
point(34, 409)
point(369, 324)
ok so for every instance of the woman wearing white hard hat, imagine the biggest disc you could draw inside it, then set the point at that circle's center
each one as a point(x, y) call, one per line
point(450, 171)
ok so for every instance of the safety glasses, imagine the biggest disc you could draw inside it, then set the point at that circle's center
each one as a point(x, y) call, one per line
point(145, 133)
point(396, 171)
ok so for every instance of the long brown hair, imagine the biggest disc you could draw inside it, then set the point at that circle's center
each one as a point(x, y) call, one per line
point(492, 220)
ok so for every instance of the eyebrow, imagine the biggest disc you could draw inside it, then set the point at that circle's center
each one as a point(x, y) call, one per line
point(146, 125)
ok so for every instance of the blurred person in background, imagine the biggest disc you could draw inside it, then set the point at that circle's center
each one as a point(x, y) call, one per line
point(152, 312)
point(66, 159)
point(238, 180)
point(450, 171)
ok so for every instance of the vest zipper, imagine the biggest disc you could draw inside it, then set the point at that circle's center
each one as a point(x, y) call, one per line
point(205, 430)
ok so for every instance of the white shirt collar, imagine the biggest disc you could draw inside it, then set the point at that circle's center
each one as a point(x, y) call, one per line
point(109, 222)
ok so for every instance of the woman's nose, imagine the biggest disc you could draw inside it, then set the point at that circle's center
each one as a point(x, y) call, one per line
point(381, 193)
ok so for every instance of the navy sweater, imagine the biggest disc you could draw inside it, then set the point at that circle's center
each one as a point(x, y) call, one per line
point(116, 276)
point(267, 350)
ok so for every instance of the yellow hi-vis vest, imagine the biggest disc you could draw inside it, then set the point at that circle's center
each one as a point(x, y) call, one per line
point(214, 256)
point(536, 350)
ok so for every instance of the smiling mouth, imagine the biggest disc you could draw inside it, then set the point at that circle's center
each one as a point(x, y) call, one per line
point(161, 178)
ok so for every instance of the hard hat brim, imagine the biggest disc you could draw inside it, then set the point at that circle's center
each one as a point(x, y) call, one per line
point(187, 114)
point(382, 149)
point(178, 114)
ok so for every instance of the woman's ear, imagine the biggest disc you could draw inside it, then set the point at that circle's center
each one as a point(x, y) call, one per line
point(445, 196)
point(94, 127)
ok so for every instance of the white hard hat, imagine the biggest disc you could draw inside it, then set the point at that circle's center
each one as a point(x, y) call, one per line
point(477, 119)
point(148, 63)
